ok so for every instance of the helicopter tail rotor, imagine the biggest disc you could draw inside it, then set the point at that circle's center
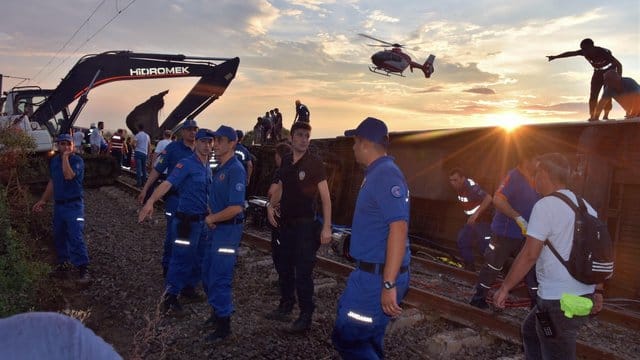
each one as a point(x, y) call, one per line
point(427, 67)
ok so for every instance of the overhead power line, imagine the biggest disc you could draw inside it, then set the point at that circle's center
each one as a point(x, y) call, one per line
point(118, 13)
point(69, 40)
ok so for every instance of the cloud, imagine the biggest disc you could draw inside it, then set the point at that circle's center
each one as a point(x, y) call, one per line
point(483, 91)
point(432, 89)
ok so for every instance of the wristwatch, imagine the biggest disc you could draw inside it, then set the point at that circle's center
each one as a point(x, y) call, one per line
point(389, 285)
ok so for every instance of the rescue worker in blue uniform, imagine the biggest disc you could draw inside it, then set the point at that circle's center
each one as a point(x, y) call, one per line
point(65, 186)
point(226, 202)
point(174, 152)
point(476, 204)
point(380, 245)
point(302, 180)
point(513, 202)
point(192, 177)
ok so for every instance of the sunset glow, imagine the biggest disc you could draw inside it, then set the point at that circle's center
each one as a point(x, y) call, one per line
point(490, 64)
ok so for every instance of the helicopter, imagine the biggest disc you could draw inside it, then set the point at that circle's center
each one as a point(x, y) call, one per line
point(394, 62)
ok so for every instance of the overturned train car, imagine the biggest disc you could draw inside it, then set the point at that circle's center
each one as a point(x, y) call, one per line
point(605, 160)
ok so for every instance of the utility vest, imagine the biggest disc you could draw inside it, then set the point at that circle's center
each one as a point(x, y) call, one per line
point(117, 143)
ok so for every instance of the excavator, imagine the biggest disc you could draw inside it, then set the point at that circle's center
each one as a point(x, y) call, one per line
point(45, 113)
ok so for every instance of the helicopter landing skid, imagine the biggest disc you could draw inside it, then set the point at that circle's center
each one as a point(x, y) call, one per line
point(383, 72)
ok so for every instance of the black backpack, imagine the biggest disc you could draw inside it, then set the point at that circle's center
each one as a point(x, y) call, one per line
point(591, 258)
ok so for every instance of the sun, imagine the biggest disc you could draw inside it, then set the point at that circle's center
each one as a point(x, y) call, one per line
point(507, 120)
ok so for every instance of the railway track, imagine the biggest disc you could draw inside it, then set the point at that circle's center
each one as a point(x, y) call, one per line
point(503, 327)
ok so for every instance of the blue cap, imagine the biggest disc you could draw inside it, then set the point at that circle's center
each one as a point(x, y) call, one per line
point(64, 137)
point(204, 134)
point(227, 132)
point(371, 129)
point(189, 123)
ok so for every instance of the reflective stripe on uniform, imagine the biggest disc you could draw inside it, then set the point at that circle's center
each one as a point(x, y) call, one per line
point(182, 242)
point(361, 318)
point(168, 214)
point(79, 219)
point(227, 250)
point(472, 211)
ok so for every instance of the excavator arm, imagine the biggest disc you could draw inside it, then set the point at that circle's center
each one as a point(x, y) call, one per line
point(94, 70)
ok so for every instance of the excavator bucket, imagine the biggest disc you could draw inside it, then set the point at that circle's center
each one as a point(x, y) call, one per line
point(147, 115)
point(204, 92)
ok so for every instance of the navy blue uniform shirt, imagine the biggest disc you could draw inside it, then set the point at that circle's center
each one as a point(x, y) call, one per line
point(228, 186)
point(66, 189)
point(169, 157)
point(521, 195)
point(383, 199)
point(192, 177)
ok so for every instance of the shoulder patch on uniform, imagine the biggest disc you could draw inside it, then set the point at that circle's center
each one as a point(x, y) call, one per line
point(396, 191)
point(239, 187)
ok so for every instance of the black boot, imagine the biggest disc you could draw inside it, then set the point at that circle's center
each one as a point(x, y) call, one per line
point(223, 330)
point(479, 298)
point(301, 325)
point(84, 279)
point(282, 313)
point(171, 306)
point(211, 322)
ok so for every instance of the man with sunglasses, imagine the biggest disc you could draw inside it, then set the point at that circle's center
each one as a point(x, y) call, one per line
point(65, 187)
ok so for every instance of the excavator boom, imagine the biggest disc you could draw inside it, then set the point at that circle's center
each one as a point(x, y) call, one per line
point(94, 70)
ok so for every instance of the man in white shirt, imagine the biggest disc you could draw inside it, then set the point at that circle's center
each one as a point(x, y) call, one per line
point(553, 220)
point(78, 138)
point(160, 146)
point(96, 139)
point(143, 148)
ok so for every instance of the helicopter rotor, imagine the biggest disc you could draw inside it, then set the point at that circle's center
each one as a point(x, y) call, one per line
point(396, 45)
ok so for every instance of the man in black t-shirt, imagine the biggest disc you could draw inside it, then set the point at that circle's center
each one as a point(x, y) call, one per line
point(302, 179)
point(602, 60)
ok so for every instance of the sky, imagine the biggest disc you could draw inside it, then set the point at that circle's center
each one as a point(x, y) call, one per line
point(490, 66)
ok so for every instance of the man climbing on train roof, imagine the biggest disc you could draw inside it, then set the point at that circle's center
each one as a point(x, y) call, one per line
point(602, 60)
point(624, 90)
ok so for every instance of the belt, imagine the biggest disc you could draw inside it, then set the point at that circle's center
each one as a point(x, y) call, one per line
point(376, 268)
point(230, 222)
point(190, 217)
point(66, 201)
point(606, 67)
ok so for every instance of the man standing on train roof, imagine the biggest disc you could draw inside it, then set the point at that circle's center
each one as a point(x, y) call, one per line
point(602, 60)
point(65, 186)
point(192, 177)
point(380, 245)
point(302, 112)
point(226, 202)
point(476, 204)
point(624, 90)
